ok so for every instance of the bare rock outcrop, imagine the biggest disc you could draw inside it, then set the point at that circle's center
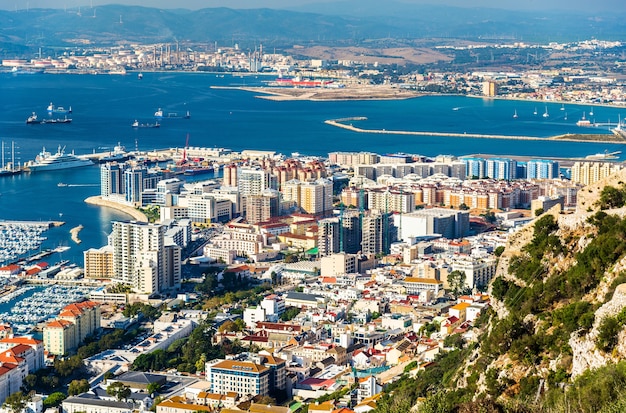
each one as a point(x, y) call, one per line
point(585, 354)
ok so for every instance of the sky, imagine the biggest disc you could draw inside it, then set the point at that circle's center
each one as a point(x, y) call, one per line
point(571, 5)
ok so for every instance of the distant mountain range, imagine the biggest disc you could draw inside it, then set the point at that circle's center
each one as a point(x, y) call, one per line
point(344, 21)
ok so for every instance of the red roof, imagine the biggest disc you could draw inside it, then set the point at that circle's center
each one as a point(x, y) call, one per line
point(6, 367)
point(59, 324)
point(19, 349)
point(7, 357)
point(21, 340)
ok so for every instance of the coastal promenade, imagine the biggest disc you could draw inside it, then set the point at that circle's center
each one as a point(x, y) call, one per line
point(339, 123)
point(134, 213)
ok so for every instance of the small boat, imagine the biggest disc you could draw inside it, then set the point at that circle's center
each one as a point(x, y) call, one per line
point(140, 76)
point(546, 114)
point(61, 185)
point(158, 114)
point(136, 124)
point(515, 114)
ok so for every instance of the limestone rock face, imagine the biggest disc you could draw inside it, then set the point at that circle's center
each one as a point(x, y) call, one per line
point(585, 354)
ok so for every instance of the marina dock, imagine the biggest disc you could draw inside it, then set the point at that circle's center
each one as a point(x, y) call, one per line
point(18, 240)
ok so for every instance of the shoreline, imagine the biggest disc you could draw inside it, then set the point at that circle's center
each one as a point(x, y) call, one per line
point(319, 94)
point(135, 214)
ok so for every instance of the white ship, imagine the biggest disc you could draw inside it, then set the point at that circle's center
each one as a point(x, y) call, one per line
point(45, 161)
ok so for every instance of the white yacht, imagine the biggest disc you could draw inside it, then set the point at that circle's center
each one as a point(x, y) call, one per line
point(46, 161)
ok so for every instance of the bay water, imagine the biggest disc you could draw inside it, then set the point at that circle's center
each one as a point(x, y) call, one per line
point(104, 107)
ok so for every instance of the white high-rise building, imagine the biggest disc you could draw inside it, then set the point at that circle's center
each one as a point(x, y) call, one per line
point(142, 259)
point(252, 181)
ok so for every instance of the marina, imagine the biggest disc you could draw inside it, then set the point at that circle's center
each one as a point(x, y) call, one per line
point(18, 239)
point(29, 305)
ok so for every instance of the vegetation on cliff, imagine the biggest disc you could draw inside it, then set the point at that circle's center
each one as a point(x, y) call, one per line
point(546, 296)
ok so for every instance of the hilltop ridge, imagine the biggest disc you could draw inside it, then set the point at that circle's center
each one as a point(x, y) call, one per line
point(115, 24)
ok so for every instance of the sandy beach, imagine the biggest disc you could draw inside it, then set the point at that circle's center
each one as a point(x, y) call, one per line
point(135, 214)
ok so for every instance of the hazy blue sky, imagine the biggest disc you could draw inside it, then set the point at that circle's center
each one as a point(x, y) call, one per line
point(579, 5)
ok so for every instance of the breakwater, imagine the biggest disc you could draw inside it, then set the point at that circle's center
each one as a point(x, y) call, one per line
point(339, 123)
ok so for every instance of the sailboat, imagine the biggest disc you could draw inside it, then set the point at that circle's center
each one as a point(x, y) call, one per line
point(591, 112)
point(546, 114)
point(565, 118)
point(515, 114)
point(535, 112)
point(562, 106)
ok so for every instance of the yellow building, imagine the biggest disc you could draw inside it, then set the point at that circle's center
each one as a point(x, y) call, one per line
point(490, 88)
point(75, 322)
point(99, 262)
point(177, 404)
point(59, 337)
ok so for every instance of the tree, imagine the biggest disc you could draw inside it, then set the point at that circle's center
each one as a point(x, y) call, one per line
point(498, 251)
point(456, 282)
point(30, 381)
point(201, 362)
point(267, 400)
point(611, 197)
point(77, 387)
point(490, 217)
point(54, 399)
point(118, 390)
point(153, 387)
point(17, 401)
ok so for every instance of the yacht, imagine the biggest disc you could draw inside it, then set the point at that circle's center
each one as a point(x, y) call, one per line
point(46, 161)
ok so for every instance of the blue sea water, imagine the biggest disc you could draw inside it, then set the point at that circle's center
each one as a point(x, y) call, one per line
point(104, 106)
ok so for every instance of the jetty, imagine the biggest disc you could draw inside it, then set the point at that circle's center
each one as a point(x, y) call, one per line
point(74, 231)
point(340, 123)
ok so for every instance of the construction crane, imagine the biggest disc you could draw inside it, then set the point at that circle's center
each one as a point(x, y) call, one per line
point(183, 161)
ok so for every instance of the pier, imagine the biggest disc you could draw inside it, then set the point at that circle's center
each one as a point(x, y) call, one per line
point(339, 123)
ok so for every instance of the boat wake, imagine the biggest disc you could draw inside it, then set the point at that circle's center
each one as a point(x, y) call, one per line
point(61, 184)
